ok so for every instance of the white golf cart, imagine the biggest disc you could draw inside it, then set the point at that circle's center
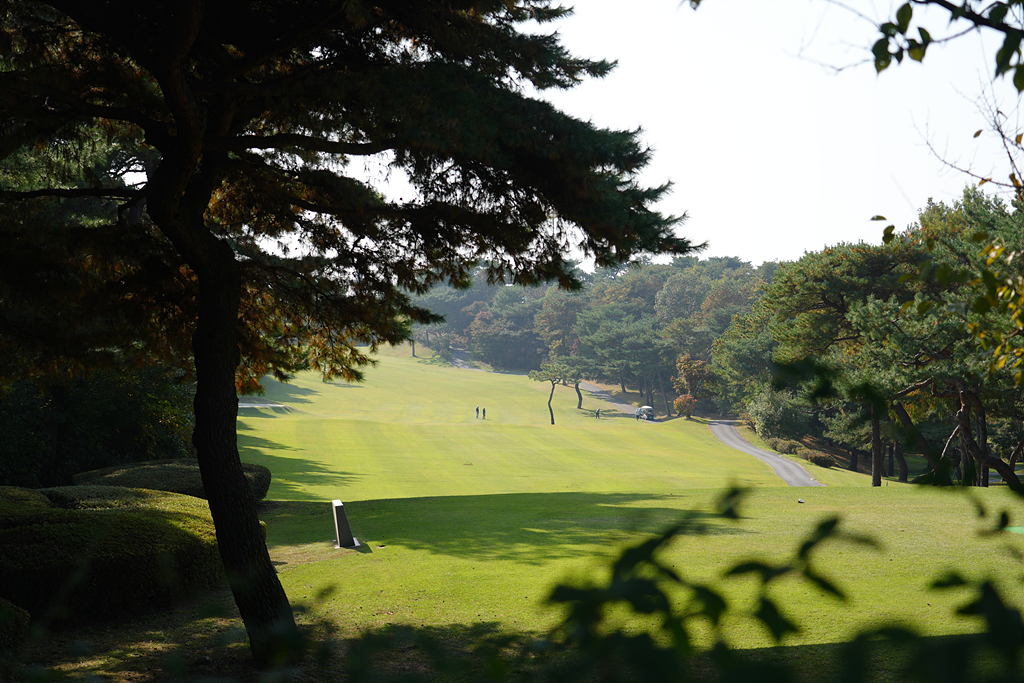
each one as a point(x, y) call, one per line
point(645, 413)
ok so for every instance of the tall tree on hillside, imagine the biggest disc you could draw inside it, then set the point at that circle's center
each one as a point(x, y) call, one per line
point(241, 119)
point(641, 282)
point(555, 373)
point(742, 356)
point(556, 320)
point(623, 341)
point(812, 303)
point(879, 329)
point(503, 334)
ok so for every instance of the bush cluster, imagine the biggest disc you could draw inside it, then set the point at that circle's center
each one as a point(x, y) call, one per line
point(129, 416)
point(14, 625)
point(15, 502)
point(821, 459)
point(776, 414)
point(175, 475)
point(784, 446)
point(685, 405)
point(99, 551)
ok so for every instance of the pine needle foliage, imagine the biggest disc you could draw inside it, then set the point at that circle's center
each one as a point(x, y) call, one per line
point(249, 236)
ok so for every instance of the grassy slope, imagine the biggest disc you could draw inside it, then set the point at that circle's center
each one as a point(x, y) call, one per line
point(829, 476)
point(411, 431)
point(468, 521)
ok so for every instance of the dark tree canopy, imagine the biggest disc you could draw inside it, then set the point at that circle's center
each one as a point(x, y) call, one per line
point(242, 238)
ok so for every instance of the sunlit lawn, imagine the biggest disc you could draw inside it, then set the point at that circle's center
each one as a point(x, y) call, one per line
point(468, 521)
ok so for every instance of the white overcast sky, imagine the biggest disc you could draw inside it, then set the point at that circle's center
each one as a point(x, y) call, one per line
point(771, 153)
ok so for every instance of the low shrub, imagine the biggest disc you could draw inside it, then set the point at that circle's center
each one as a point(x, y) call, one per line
point(772, 443)
point(776, 413)
point(176, 476)
point(788, 447)
point(685, 405)
point(18, 502)
point(101, 551)
point(259, 479)
point(821, 459)
point(14, 625)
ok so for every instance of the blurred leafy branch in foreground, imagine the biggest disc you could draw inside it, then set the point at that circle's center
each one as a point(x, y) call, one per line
point(634, 627)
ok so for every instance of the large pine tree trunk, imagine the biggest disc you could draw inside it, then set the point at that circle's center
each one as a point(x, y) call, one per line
point(664, 395)
point(981, 427)
point(938, 465)
point(876, 449)
point(551, 396)
point(904, 469)
point(261, 600)
point(979, 451)
point(54, 471)
point(579, 397)
point(947, 453)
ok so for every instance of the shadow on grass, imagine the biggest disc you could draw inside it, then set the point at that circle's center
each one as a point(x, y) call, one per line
point(439, 652)
point(611, 414)
point(435, 361)
point(263, 411)
point(531, 528)
point(204, 640)
point(881, 662)
point(281, 392)
point(198, 638)
point(298, 472)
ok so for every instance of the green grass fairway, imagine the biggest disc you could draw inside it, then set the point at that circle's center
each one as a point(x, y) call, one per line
point(467, 521)
point(410, 431)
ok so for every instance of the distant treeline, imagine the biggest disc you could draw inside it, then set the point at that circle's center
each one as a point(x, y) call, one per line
point(871, 347)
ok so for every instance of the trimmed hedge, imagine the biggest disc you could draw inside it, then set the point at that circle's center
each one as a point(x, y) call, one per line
point(176, 476)
point(788, 447)
point(821, 459)
point(14, 625)
point(784, 446)
point(101, 551)
point(17, 502)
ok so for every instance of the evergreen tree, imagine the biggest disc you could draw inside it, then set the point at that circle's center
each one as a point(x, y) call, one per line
point(246, 241)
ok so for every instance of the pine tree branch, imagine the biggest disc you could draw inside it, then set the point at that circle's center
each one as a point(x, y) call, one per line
point(71, 193)
point(963, 417)
point(916, 387)
point(242, 143)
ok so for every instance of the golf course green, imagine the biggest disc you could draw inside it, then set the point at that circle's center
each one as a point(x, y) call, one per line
point(471, 522)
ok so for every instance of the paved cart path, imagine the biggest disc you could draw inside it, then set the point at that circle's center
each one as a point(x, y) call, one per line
point(790, 472)
point(606, 396)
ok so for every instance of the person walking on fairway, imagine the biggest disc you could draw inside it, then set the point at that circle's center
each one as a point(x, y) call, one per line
point(478, 412)
point(485, 413)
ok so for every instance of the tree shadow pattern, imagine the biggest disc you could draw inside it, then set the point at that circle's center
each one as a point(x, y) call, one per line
point(531, 528)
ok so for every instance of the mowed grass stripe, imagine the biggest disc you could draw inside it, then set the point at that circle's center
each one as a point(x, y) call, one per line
point(470, 522)
point(388, 438)
point(469, 559)
point(363, 460)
